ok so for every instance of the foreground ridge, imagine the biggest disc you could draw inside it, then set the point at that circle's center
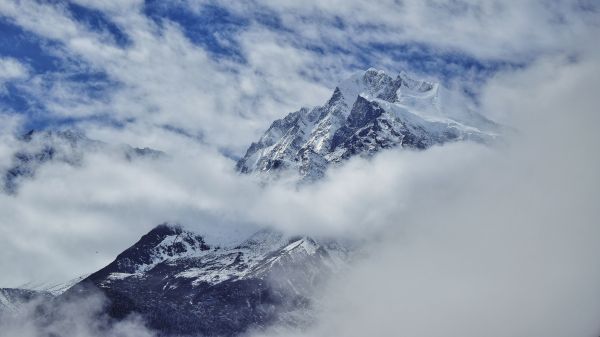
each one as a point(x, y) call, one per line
point(183, 285)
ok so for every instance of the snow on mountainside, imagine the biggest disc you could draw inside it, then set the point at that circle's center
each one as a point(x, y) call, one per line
point(53, 289)
point(183, 285)
point(37, 148)
point(12, 299)
point(368, 112)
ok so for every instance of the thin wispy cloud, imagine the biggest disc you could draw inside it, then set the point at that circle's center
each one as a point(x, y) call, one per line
point(151, 62)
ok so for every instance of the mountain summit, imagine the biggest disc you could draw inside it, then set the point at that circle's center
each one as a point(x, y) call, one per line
point(183, 285)
point(366, 113)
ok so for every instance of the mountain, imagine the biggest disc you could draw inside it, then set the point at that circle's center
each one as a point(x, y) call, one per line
point(183, 285)
point(12, 299)
point(53, 289)
point(368, 112)
point(36, 148)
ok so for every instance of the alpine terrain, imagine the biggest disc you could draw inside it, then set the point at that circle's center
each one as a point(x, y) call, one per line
point(181, 284)
point(368, 112)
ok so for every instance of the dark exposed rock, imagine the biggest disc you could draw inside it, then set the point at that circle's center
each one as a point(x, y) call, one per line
point(181, 285)
point(366, 113)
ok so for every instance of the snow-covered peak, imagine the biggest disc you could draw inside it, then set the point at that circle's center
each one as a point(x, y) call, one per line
point(366, 113)
point(263, 240)
point(193, 289)
point(376, 84)
point(165, 241)
point(186, 257)
point(416, 85)
point(369, 84)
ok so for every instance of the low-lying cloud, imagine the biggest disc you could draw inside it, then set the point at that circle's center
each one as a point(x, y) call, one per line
point(505, 245)
point(463, 239)
point(81, 317)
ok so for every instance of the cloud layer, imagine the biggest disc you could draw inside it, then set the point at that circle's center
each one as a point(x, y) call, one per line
point(83, 317)
point(156, 65)
point(465, 240)
point(504, 246)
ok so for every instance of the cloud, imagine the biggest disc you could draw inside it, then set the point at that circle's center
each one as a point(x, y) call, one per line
point(291, 55)
point(67, 216)
point(467, 240)
point(502, 245)
point(11, 70)
point(82, 317)
point(485, 29)
point(162, 78)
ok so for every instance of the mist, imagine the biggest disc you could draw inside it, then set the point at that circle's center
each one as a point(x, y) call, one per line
point(77, 317)
point(495, 241)
point(463, 239)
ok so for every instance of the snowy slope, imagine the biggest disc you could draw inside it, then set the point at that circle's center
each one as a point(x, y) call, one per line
point(12, 299)
point(183, 285)
point(54, 289)
point(368, 112)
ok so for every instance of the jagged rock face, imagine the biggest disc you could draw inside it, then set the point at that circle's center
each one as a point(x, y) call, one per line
point(37, 148)
point(182, 285)
point(366, 113)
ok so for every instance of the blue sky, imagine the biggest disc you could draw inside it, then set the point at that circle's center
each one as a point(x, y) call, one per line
point(78, 62)
point(201, 79)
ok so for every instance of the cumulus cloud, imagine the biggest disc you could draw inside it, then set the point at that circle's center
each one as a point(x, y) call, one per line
point(506, 245)
point(10, 70)
point(62, 223)
point(466, 240)
point(164, 78)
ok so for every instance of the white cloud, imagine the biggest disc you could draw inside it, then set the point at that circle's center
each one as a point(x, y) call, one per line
point(503, 245)
point(499, 241)
point(113, 7)
point(70, 221)
point(163, 78)
point(487, 29)
point(79, 317)
point(11, 70)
